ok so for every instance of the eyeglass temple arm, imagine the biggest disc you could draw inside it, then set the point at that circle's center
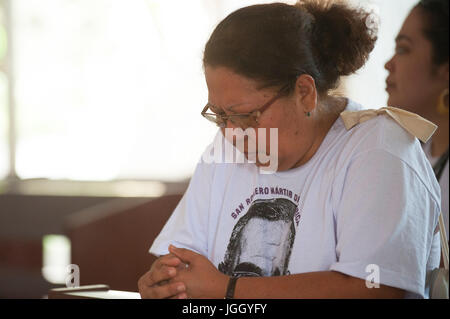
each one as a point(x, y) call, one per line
point(276, 97)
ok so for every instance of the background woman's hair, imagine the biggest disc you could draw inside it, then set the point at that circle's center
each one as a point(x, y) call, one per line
point(436, 27)
point(275, 43)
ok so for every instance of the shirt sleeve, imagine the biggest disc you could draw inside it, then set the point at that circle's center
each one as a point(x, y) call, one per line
point(187, 226)
point(385, 220)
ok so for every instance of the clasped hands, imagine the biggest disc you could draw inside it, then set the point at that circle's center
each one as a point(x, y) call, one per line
point(183, 274)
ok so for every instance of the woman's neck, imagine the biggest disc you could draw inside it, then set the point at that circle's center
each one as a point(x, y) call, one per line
point(439, 142)
point(335, 105)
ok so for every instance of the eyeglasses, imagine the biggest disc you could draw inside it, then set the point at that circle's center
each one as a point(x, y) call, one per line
point(243, 120)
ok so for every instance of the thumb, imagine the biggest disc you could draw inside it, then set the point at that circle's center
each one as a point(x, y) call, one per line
point(186, 255)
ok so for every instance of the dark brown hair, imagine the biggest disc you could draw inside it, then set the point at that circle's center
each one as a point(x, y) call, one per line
point(436, 27)
point(275, 43)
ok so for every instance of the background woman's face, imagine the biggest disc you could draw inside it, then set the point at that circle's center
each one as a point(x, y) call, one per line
point(411, 83)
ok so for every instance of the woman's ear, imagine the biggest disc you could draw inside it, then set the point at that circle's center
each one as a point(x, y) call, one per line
point(306, 93)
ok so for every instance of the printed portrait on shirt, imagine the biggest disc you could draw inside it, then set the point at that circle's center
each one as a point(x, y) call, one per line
point(261, 241)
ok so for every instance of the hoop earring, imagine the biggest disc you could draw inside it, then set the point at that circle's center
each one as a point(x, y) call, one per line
point(308, 114)
point(441, 107)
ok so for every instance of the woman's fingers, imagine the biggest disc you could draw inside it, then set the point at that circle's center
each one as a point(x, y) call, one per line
point(156, 275)
point(163, 291)
point(168, 260)
point(156, 283)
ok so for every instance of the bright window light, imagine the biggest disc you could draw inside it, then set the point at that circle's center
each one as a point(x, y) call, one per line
point(110, 89)
point(4, 153)
point(56, 258)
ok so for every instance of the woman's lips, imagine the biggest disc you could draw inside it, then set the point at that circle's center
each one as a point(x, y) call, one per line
point(390, 86)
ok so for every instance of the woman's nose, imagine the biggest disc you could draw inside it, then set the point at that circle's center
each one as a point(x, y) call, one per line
point(389, 65)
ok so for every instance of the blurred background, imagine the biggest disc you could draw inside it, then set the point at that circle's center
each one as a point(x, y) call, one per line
point(100, 129)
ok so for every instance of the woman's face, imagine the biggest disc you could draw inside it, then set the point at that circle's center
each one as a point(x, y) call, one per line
point(231, 93)
point(413, 83)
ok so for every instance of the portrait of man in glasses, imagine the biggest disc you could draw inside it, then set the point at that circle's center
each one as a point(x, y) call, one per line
point(261, 241)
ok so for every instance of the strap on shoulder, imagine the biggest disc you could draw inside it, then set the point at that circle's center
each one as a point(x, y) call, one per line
point(411, 122)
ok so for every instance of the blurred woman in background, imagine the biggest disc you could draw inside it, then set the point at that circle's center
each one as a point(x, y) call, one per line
point(418, 80)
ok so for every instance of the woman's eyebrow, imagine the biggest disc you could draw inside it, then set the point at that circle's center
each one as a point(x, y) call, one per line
point(230, 107)
point(213, 107)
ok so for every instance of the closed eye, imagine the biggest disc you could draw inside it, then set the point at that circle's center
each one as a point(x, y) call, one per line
point(401, 50)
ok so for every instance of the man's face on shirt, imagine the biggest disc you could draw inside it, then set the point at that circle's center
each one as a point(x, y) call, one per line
point(265, 244)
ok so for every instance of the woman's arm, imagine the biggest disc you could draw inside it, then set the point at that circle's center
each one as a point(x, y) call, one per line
point(324, 284)
point(203, 280)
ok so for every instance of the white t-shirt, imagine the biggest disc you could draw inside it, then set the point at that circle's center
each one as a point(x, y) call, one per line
point(443, 182)
point(367, 197)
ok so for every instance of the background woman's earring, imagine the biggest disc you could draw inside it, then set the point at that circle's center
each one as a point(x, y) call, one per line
point(308, 114)
point(442, 107)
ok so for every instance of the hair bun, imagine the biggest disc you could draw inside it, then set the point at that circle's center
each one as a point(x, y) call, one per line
point(342, 37)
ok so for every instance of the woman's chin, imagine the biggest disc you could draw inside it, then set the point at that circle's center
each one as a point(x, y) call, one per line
point(392, 100)
point(395, 101)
